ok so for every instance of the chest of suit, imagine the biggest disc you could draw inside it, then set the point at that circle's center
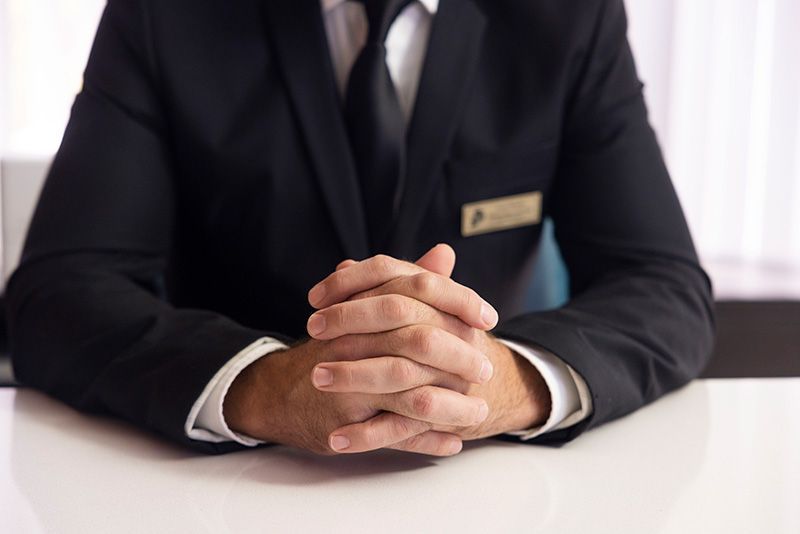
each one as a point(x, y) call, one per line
point(269, 201)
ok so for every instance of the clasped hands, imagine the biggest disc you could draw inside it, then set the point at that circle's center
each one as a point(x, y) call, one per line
point(399, 357)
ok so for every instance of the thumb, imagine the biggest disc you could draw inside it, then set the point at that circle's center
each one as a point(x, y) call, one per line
point(441, 259)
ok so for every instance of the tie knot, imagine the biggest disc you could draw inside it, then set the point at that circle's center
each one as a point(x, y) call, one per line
point(381, 15)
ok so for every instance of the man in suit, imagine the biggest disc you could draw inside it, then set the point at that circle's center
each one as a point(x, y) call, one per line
point(230, 167)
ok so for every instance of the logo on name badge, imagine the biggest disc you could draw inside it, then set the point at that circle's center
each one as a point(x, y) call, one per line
point(503, 213)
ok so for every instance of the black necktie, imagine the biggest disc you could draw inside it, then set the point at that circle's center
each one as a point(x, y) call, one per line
point(375, 123)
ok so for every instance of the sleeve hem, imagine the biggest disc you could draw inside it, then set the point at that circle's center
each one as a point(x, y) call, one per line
point(569, 394)
point(206, 421)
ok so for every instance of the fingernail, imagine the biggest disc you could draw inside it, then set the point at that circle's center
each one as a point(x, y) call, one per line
point(455, 447)
point(483, 413)
point(339, 443)
point(316, 294)
point(487, 370)
point(322, 377)
point(488, 314)
point(316, 324)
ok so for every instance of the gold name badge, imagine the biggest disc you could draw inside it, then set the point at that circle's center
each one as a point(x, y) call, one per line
point(501, 213)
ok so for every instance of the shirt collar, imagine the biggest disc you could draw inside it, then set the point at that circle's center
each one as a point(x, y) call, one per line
point(431, 5)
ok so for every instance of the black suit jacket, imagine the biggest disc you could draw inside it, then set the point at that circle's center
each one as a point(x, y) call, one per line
point(205, 183)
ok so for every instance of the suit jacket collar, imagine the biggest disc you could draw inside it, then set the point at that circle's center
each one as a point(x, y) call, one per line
point(301, 47)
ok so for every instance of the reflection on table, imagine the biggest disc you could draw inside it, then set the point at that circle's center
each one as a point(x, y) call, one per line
point(717, 456)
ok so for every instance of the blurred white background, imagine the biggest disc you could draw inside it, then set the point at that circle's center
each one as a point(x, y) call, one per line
point(723, 85)
point(722, 82)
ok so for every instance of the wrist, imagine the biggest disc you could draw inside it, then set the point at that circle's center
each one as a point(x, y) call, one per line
point(535, 401)
point(253, 396)
point(524, 397)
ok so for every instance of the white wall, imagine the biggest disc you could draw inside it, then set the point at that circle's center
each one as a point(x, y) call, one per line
point(724, 80)
point(650, 27)
point(44, 45)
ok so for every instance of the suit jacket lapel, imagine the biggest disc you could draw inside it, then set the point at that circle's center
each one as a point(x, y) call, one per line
point(450, 64)
point(298, 33)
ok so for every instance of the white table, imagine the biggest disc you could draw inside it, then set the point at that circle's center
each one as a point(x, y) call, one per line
point(718, 456)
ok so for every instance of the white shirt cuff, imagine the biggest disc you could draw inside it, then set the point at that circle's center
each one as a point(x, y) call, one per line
point(206, 421)
point(570, 399)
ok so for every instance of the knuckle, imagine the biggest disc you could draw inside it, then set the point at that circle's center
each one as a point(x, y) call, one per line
point(393, 308)
point(362, 375)
point(424, 339)
point(372, 435)
point(337, 315)
point(403, 427)
point(382, 264)
point(422, 402)
point(333, 284)
point(472, 302)
point(344, 374)
point(424, 283)
point(402, 371)
point(349, 315)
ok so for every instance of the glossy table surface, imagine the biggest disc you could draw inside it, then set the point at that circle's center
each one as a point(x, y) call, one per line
point(717, 456)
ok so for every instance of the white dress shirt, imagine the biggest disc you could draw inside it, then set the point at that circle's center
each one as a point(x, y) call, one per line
point(406, 44)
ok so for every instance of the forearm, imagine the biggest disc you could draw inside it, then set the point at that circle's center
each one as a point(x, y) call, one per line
point(635, 335)
point(570, 399)
point(84, 331)
point(206, 420)
point(529, 403)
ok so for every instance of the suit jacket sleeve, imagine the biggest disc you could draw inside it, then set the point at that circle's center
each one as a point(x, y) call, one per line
point(639, 321)
point(88, 320)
